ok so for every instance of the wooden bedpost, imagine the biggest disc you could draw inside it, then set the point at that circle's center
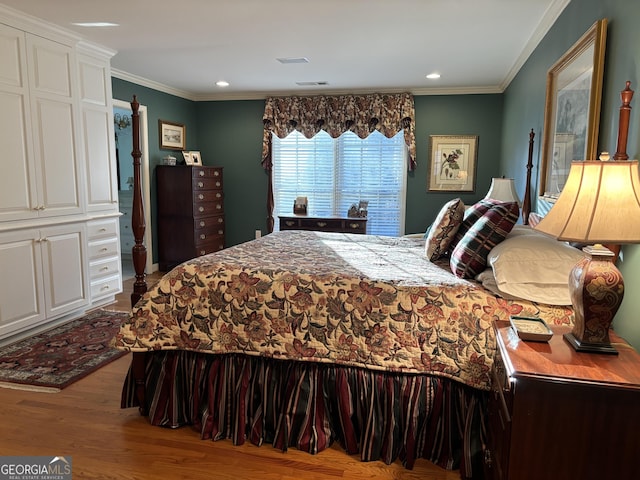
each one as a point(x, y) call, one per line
point(526, 202)
point(139, 251)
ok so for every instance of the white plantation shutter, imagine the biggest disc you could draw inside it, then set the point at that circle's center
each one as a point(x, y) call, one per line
point(303, 168)
point(334, 174)
point(373, 169)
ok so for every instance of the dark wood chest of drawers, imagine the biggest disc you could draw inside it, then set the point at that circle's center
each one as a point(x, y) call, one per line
point(324, 224)
point(555, 413)
point(190, 213)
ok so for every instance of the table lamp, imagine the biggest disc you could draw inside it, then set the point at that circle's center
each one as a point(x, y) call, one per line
point(600, 203)
point(503, 189)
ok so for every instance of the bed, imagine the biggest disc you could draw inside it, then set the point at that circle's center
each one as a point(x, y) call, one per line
point(302, 339)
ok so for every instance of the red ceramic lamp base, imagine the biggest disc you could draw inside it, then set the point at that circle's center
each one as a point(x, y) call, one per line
point(597, 289)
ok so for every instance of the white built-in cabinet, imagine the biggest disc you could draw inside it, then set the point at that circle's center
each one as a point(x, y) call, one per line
point(44, 275)
point(59, 229)
point(37, 128)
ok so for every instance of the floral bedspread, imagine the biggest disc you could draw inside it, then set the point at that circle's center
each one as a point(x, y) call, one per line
point(358, 300)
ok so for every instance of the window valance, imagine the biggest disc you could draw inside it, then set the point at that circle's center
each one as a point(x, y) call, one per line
point(361, 114)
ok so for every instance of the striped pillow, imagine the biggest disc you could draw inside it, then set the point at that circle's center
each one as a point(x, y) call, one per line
point(443, 229)
point(469, 256)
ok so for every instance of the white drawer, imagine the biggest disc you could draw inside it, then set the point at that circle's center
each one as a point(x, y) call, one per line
point(102, 229)
point(105, 287)
point(104, 268)
point(103, 248)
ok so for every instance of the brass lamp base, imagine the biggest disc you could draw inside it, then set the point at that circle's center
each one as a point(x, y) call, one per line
point(589, 347)
point(597, 288)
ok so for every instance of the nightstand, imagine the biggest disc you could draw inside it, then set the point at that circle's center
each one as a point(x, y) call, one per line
point(554, 413)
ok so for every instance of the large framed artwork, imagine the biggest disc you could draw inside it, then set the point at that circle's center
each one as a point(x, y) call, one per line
point(453, 163)
point(572, 109)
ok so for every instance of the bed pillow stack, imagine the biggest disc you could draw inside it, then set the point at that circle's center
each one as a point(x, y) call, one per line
point(485, 225)
point(444, 228)
point(532, 266)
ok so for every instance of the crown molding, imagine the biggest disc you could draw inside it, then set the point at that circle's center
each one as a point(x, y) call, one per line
point(547, 21)
point(36, 26)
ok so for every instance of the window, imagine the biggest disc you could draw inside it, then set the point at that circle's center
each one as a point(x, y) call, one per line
point(335, 173)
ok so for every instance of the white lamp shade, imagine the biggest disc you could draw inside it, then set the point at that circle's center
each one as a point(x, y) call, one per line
point(503, 190)
point(600, 203)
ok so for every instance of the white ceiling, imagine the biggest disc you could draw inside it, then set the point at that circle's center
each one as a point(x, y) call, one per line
point(185, 46)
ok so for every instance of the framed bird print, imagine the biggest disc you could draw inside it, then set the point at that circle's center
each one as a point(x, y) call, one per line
point(453, 163)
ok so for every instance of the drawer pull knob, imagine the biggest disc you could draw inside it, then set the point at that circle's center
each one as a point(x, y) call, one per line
point(217, 184)
point(220, 232)
point(203, 252)
point(218, 207)
point(105, 287)
point(104, 249)
point(290, 223)
point(103, 229)
point(218, 195)
point(200, 184)
point(354, 225)
point(202, 236)
point(322, 224)
point(216, 173)
point(202, 223)
point(488, 460)
point(201, 209)
point(220, 220)
point(201, 197)
point(104, 269)
point(201, 173)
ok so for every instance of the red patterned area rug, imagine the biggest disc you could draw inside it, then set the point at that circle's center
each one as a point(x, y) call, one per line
point(53, 360)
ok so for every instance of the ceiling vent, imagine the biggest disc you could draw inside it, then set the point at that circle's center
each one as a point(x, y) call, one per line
point(293, 60)
point(311, 84)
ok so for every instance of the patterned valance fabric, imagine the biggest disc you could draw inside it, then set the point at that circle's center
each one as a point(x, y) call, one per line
point(361, 114)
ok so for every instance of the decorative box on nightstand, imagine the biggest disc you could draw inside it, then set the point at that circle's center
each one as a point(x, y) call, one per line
point(555, 413)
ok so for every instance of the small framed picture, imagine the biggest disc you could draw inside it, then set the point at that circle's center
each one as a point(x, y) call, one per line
point(187, 158)
point(172, 135)
point(195, 158)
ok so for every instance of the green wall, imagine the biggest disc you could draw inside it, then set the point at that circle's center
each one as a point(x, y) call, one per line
point(160, 106)
point(524, 109)
point(229, 134)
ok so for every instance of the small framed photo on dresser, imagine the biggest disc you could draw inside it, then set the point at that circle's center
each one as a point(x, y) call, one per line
point(196, 159)
point(187, 158)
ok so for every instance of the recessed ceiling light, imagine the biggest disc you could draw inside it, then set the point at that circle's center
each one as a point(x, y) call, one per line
point(433, 76)
point(222, 83)
point(95, 24)
point(293, 60)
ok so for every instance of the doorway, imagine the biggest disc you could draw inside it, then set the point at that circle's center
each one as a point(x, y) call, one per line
point(124, 147)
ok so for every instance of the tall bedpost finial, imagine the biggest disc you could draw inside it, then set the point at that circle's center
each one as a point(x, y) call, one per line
point(526, 202)
point(623, 127)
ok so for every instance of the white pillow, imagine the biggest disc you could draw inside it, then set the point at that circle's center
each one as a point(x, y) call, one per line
point(533, 266)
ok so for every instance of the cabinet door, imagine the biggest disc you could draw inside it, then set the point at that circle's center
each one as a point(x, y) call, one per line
point(22, 302)
point(97, 133)
point(64, 267)
point(52, 83)
point(18, 189)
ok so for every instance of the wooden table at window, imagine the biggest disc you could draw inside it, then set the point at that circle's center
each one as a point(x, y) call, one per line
point(324, 224)
point(555, 413)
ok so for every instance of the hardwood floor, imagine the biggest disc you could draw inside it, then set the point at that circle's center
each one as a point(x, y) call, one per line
point(85, 422)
